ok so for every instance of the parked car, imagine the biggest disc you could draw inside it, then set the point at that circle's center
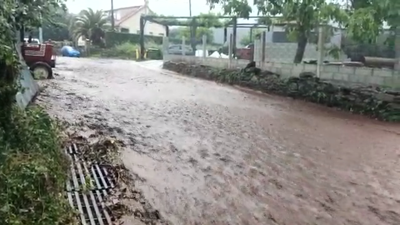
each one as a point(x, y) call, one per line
point(70, 51)
point(177, 50)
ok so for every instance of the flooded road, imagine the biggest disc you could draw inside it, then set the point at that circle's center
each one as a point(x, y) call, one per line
point(212, 154)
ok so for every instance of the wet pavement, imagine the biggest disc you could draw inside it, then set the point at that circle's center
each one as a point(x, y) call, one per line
point(207, 153)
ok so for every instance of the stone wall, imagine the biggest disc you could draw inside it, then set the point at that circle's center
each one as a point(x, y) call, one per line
point(372, 101)
point(368, 76)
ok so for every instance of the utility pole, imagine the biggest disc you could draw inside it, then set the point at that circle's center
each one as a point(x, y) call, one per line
point(112, 16)
point(41, 30)
point(192, 29)
point(190, 8)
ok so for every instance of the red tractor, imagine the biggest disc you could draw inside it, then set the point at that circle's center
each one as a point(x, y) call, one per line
point(40, 58)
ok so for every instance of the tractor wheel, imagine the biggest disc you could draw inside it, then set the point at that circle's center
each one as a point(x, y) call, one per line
point(41, 71)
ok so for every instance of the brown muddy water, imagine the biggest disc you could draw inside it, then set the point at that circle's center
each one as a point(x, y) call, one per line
point(212, 154)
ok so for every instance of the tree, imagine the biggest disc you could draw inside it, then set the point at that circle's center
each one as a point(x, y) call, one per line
point(90, 24)
point(200, 26)
point(301, 17)
point(185, 32)
point(56, 26)
point(246, 40)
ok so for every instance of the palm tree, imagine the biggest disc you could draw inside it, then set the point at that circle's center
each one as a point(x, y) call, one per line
point(88, 24)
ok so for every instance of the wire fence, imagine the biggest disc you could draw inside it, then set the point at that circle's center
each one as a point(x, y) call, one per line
point(336, 47)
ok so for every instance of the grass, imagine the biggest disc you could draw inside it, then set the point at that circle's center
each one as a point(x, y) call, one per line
point(33, 170)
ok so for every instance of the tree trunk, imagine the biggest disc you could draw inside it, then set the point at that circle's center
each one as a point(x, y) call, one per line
point(301, 47)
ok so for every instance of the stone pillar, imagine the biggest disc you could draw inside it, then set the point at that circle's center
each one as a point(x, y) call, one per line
point(257, 51)
point(165, 45)
point(321, 49)
point(397, 49)
point(263, 46)
point(205, 46)
point(230, 49)
point(183, 45)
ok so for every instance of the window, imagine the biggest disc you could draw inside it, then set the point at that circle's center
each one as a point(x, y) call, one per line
point(117, 16)
point(124, 30)
point(161, 34)
point(280, 37)
point(151, 33)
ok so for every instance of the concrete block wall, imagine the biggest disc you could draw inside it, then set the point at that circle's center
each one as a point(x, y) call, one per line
point(29, 87)
point(285, 52)
point(368, 76)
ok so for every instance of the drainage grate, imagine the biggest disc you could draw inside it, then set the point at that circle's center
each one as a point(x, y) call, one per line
point(87, 189)
point(91, 207)
point(73, 149)
point(94, 177)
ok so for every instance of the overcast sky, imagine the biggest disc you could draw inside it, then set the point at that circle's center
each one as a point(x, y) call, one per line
point(166, 7)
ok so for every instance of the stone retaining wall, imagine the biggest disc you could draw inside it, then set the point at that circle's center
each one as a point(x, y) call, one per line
point(363, 99)
point(369, 76)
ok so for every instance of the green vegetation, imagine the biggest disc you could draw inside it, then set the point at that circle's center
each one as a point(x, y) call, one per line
point(32, 166)
point(116, 38)
point(126, 50)
point(90, 24)
point(33, 170)
point(246, 40)
point(198, 26)
point(363, 19)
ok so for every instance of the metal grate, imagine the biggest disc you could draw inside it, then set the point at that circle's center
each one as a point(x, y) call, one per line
point(87, 188)
point(91, 207)
point(72, 149)
point(83, 176)
point(94, 177)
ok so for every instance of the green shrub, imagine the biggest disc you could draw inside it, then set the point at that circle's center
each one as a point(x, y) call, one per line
point(117, 38)
point(126, 50)
point(33, 171)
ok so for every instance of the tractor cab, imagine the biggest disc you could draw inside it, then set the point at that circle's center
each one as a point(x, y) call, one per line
point(40, 58)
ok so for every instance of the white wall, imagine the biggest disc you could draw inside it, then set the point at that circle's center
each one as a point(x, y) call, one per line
point(133, 24)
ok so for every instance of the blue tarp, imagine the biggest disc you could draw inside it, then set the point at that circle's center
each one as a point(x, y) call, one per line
point(70, 51)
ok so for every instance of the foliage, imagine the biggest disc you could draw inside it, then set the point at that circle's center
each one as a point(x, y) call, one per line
point(33, 171)
point(381, 48)
point(90, 24)
point(368, 17)
point(126, 50)
point(300, 17)
point(56, 26)
point(246, 40)
point(117, 38)
point(197, 27)
point(185, 32)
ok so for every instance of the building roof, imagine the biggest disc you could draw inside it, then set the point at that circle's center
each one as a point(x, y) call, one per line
point(129, 7)
point(133, 11)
